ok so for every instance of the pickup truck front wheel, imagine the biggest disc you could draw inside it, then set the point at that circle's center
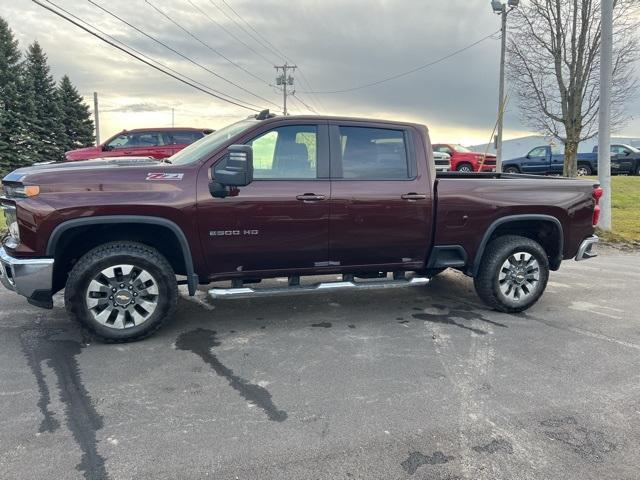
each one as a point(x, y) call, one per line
point(121, 291)
point(513, 274)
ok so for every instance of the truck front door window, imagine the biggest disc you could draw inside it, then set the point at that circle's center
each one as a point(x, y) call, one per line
point(286, 153)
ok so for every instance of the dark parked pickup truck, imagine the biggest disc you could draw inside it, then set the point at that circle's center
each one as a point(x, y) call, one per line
point(624, 159)
point(548, 160)
point(281, 197)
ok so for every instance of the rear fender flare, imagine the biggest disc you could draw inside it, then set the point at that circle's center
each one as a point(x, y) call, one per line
point(517, 218)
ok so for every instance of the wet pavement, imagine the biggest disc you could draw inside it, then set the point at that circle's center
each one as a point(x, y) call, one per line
point(417, 383)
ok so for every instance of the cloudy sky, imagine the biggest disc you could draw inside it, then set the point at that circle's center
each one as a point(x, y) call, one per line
point(338, 44)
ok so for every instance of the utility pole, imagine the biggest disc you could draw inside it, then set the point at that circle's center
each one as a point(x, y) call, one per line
point(604, 131)
point(285, 80)
point(501, 91)
point(96, 117)
point(503, 10)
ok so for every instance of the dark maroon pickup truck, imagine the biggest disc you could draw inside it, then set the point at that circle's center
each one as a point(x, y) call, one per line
point(281, 197)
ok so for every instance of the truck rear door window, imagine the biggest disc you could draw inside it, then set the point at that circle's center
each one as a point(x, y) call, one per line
point(185, 137)
point(286, 153)
point(373, 154)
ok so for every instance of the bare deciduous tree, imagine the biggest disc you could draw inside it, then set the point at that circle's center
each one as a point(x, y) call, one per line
point(554, 67)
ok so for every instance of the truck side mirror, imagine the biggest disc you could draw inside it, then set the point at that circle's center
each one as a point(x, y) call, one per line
point(234, 170)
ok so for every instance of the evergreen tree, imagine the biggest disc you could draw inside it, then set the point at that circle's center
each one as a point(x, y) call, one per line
point(75, 117)
point(42, 106)
point(10, 117)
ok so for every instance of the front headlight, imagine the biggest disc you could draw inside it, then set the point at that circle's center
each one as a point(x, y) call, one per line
point(20, 191)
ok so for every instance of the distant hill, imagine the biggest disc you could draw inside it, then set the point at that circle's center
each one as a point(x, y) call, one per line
point(519, 147)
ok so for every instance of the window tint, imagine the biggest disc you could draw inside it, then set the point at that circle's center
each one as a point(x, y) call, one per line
point(147, 139)
point(286, 152)
point(373, 154)
point(185, 137)
point(120, 141)
point(442, 149)
point(538, 152)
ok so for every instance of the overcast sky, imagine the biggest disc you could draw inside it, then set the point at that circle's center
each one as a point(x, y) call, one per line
point(338, 44)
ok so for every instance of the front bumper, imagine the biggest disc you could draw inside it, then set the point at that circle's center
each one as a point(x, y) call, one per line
point(586, 248)
point(30, 277)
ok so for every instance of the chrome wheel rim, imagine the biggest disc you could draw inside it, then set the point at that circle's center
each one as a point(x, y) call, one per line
point(122, 296)
point(519, 276)
point(465, 169)
point(582, 171)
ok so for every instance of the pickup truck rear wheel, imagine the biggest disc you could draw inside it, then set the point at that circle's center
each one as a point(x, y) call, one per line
point(513, 273)
point(121, 291)
point(584, 170)
point(465, 167)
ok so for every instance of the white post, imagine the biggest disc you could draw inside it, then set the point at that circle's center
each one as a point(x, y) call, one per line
point(604, 132)
point(501, 91)
point(96, 117)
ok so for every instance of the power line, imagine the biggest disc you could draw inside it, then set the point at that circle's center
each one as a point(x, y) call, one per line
point(273, 47)
point(182, 55)
point(254, 38)
point(314, 97)
point(197, 39)
point(407, 72)
point(230, 33)
point(265, 43)
point(193, 85)
point(307, 106)
point(151, 59)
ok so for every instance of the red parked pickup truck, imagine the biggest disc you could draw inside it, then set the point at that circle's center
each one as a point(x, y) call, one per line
point(143, 142)
point(282, 197)
point(465, 160)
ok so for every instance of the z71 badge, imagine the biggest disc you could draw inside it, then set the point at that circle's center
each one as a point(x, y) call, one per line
point(165, 176)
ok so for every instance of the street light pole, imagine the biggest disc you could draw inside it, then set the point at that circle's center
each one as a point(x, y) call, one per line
point(604, 130)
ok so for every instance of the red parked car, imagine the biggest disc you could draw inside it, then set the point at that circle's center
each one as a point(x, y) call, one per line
point(143, 142)
point(465, 160)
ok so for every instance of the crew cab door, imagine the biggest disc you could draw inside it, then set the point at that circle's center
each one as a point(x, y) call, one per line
point(381, 199)
point(280, 221)
point(537, 161)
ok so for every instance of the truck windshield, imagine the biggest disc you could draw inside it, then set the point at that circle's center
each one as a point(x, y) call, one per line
point(460, 148)
point(210, 143)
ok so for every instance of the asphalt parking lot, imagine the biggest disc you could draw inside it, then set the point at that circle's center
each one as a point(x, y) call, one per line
point(421, 383)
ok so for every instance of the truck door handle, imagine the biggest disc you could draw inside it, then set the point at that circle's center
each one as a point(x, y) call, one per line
point(310, 197)
point(414, 196)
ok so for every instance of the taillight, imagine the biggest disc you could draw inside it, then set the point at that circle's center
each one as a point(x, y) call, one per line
point(597, 195)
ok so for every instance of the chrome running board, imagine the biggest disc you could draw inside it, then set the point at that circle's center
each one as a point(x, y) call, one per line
point(246, 292)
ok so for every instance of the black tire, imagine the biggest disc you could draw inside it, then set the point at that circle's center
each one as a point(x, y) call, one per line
point(464, 167)
point(638, 169)
point(585, 169)
point(511, 169)
point(112, 254)
point(488, 284)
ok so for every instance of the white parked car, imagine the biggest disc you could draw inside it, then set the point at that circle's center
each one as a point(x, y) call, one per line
point(442, 161)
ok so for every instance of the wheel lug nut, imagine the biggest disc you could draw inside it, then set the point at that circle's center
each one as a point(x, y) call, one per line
point(114, 290)
point(110, 297)
point(122, 285)
point(135, 294)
